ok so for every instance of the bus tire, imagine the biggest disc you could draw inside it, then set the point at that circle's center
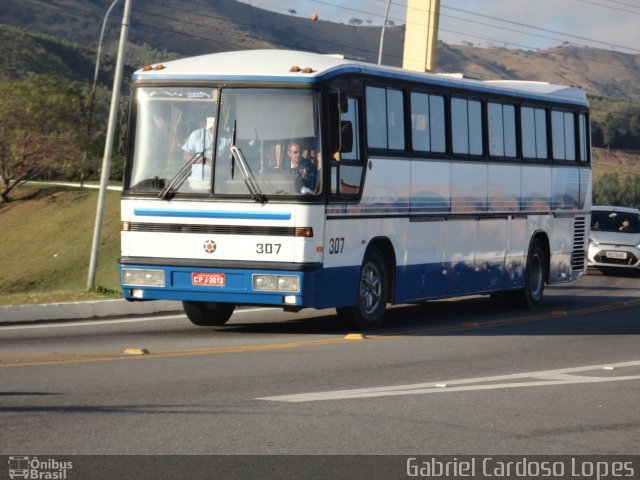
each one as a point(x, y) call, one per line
point(373, 292)
point(208, 314)
point(534, 277)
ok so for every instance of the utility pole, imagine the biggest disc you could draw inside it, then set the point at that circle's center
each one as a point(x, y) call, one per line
point(108, 148)
point(421, 35)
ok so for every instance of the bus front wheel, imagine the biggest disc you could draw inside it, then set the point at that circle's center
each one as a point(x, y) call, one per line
point(373, 289)
point(208, 314)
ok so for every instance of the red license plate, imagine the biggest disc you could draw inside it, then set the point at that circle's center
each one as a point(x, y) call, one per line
point(208, 279)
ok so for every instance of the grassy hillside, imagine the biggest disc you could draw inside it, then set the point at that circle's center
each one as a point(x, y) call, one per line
point(27, 52)
point(46, 241)
point(603, 73)
point(209, 26)
point(623, 162)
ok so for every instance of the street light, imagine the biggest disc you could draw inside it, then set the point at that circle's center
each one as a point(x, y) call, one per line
point(108, 147)
point(104, 24)
point(384, 26)
point(93, 88)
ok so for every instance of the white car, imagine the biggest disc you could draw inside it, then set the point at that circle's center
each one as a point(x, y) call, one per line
point(614, 240)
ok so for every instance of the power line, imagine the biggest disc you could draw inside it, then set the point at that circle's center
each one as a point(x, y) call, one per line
point(483, 37)
point(542, 29)
point(624, 3)
point(610, 7)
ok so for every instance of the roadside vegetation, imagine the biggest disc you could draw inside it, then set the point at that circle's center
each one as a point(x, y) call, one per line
point(615, 123)
point(45, 240)
point(616, 177)
point(610, 189)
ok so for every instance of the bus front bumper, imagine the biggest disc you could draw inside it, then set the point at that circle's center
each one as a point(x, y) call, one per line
point(292, 287)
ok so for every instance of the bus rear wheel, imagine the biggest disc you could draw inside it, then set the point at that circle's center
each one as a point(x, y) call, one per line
point(373, 289)
point(208, 314)
point(534, 277)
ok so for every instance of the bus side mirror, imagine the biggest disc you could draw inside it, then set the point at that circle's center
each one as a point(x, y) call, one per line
point(346, 136)
point(124, 125)
point(344, 103)
point(334, 122)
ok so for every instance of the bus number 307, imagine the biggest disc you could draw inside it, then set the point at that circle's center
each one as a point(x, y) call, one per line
point(336, 245)
point(268, 248)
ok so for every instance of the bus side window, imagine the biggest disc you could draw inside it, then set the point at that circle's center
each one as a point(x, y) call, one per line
point(346, 169)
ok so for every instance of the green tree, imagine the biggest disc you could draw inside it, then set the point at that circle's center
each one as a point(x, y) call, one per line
point(630, 195)
point(609, 189)
point(609, 130)
point(606, 190)
point(634, 127)
point(41, 129)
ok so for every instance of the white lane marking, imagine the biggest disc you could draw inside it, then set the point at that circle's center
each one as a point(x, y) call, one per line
point(528, 379)
point(91, 323)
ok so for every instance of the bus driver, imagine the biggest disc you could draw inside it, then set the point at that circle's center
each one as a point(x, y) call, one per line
point(200, 142)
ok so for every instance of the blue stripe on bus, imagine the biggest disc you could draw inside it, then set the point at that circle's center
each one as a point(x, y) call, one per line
point(152, 212)
point(333, 287)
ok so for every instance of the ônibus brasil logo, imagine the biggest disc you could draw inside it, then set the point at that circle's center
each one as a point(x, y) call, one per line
point(33, 468)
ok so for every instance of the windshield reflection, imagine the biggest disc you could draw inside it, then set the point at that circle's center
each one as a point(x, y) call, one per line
point(184, 137)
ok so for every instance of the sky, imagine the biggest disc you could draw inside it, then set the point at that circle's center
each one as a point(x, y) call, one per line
point(523, 24)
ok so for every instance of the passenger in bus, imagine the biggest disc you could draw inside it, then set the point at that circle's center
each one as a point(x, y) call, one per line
point(200, 142)
point(306, 179)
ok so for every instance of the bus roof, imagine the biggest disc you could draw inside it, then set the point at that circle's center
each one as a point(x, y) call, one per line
point(291, 66)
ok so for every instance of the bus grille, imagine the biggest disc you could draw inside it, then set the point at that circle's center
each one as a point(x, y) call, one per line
point(578, 258)
point(213, 229)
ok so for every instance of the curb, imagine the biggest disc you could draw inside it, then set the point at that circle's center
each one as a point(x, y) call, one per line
point(83, 310)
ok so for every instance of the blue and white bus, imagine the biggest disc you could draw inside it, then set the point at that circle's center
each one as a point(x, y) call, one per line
point(424, 186)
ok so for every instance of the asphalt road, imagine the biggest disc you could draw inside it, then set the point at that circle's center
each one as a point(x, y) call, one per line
point(445, 377)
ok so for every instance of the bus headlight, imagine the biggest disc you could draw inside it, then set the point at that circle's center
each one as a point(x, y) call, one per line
point(288, 283)
point(143, 278)
point(265, 282)
point(276, 283)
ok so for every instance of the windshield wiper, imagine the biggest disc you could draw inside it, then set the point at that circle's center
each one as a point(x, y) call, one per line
point(247, 174)
point(170, 189)
point(245, 170)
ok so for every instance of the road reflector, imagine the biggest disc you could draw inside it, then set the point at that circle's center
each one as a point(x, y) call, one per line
point(469, 325)
point(135, 351)
point(440, 385)
point(355, 336)
point(558, 313)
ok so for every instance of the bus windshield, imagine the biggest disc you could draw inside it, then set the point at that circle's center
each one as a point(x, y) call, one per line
point(257, 143)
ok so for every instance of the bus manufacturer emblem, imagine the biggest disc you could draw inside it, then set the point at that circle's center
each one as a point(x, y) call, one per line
point(209, 246)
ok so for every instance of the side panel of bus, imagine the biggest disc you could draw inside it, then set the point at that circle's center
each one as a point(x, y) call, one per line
point(463, 229)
